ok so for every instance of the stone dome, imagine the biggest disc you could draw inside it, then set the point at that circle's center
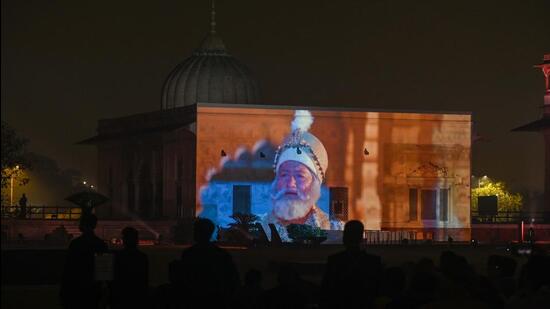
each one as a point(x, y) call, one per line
point(210, 75)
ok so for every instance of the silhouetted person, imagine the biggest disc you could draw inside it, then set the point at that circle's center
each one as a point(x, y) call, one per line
point(352, 276)
point(531, 235)
point(207, 271)
point(78, 287)
point(130, 274)
point(23, 206)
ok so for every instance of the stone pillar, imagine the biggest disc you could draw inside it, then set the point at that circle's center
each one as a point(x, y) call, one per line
point(546, 71)
point(545, 67)
point(546, 206)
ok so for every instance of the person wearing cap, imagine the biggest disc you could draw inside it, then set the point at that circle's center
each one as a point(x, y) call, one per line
point(300, 167)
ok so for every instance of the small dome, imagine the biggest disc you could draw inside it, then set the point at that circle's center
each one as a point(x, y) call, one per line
point(210, 75)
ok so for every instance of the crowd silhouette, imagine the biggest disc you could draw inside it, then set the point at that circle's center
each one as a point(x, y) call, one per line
point(206, 277)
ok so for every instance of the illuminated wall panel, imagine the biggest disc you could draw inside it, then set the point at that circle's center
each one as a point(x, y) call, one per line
point(400, 170)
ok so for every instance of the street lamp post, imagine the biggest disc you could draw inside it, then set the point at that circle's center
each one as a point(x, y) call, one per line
point(11, 190)
point(11, 184)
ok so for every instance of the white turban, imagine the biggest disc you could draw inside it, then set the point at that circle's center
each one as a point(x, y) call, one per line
point(303, 147)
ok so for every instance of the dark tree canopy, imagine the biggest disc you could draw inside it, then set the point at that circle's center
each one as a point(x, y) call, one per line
point(14, 153)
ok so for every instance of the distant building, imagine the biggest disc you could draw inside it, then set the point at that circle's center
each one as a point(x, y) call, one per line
point(417, 176)
point(542, 125)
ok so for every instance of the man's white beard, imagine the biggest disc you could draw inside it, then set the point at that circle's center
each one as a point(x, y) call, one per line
point(294, 207)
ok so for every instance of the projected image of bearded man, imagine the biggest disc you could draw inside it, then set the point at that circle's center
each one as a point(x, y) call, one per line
point(300, 166)
point(294, 193)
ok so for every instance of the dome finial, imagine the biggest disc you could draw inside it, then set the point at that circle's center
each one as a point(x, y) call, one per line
point(212, 17)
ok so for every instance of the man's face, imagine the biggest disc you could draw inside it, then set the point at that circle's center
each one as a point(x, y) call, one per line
point(294, 191)
point(294, 179)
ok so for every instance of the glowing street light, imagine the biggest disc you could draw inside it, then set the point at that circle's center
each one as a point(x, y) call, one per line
point(11, 183)
point(479, 180)
point(485, 178)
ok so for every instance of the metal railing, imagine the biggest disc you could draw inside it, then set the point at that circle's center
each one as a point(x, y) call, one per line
point(389, 237)
point(41, 212)
point(504, 217)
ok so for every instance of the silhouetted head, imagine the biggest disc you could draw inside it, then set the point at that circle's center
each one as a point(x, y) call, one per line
point(88, 223)
point(130, 237)
point(202, 230)
point(353, 233)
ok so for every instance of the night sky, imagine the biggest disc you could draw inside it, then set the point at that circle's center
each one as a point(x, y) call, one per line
point(66, 64)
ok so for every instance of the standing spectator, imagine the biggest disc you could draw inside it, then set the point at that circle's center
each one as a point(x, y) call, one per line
point(352, 272)
point(23, 206)
point(531, 235)
point(78, 287)
point(131, 273)
point(207, 271)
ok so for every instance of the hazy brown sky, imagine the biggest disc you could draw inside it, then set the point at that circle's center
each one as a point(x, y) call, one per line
point(66, 64)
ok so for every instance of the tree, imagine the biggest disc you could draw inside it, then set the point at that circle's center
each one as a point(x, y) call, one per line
point(303, 232)
point(243, 221)
point(239, 231)
point(14, 160)
point(507, 201)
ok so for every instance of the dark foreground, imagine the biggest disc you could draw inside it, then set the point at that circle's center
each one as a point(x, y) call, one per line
point(30, 276)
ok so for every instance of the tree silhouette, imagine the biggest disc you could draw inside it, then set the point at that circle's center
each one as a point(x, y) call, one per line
point(243, 221)
point(14, 157)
